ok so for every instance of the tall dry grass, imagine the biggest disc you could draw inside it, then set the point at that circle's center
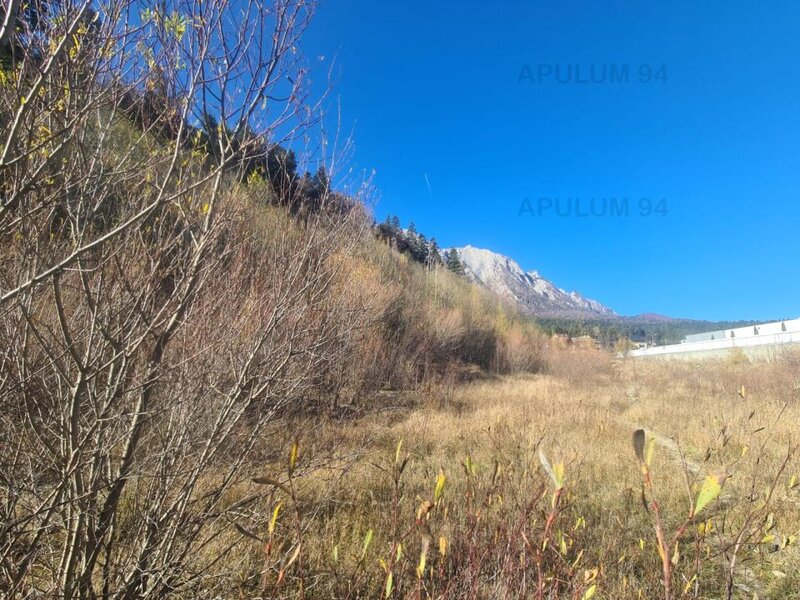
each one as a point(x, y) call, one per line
point(463, 483)
point(425, 326)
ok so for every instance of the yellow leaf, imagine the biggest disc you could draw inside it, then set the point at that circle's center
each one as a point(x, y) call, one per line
point(293, 456)
point(558, 469)
point(689, 583)
point(675, 555)
point(590, 592)
point(437, 492)
point(651, 447)
point(661, 552)
point(577, 559)
point(421, 565)
point(442, 546)
point(274, 519)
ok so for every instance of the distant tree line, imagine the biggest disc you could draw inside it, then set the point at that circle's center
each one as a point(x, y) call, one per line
point(609, 331)
point(416, 246)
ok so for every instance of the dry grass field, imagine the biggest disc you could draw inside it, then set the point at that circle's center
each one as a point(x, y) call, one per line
point(446, 495)
point(220, 377)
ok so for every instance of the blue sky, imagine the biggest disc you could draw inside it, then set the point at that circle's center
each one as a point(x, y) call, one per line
point(707, 120)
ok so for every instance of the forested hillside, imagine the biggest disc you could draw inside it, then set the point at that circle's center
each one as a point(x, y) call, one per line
point(173, 279)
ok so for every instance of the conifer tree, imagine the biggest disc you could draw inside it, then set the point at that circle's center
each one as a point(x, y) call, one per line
point(453, 262)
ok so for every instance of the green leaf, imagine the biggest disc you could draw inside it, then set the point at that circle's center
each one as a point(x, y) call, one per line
point(367, 542)
point(469, 466)
point(712, 486)
point(389, 585)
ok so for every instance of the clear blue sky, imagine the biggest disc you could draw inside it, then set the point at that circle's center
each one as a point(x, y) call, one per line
point(434, 89)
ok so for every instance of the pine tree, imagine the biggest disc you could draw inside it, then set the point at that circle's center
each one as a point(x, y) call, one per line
point(419, 248)
point(389, 229)
point(322, 182)
point(434, 255)
point(453, 262)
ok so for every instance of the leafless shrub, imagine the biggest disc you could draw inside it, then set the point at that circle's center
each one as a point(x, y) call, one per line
point(148, 333)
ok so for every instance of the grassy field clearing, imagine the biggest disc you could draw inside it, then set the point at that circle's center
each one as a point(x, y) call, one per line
point(467, 500)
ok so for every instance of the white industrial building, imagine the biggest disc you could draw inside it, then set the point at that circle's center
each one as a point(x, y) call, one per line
point(753, 339)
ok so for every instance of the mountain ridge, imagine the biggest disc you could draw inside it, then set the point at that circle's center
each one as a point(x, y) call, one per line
point(528, 289)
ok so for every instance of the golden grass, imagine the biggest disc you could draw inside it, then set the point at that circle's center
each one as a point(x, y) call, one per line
point(704, 416)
